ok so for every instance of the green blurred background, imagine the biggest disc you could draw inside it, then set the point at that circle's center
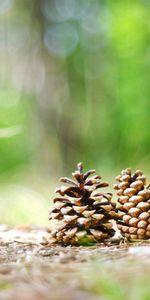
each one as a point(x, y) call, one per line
point(74, 86)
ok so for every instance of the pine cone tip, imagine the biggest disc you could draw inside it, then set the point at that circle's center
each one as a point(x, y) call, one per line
point(80, 167)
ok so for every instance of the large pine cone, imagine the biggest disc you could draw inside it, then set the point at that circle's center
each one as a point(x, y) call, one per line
point(134, 208)
point(83, 214)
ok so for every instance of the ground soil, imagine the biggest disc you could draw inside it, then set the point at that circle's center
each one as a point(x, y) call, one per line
point(31, 268)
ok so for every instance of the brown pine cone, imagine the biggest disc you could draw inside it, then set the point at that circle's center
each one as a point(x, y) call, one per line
point(84, 215)
point(134, 205)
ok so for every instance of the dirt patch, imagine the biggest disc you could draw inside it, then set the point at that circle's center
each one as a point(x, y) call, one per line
point(33, 269)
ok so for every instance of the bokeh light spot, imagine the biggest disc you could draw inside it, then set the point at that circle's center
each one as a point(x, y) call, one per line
point(5, 5)
point(61, 39)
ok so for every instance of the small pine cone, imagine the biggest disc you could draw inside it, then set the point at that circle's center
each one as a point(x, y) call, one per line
point(84, 215)
point(134, 205)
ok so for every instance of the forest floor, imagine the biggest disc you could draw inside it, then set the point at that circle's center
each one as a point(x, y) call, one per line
point(31, 269)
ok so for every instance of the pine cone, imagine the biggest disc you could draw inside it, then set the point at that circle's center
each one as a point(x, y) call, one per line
point(83, 214)
point(134, 208)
